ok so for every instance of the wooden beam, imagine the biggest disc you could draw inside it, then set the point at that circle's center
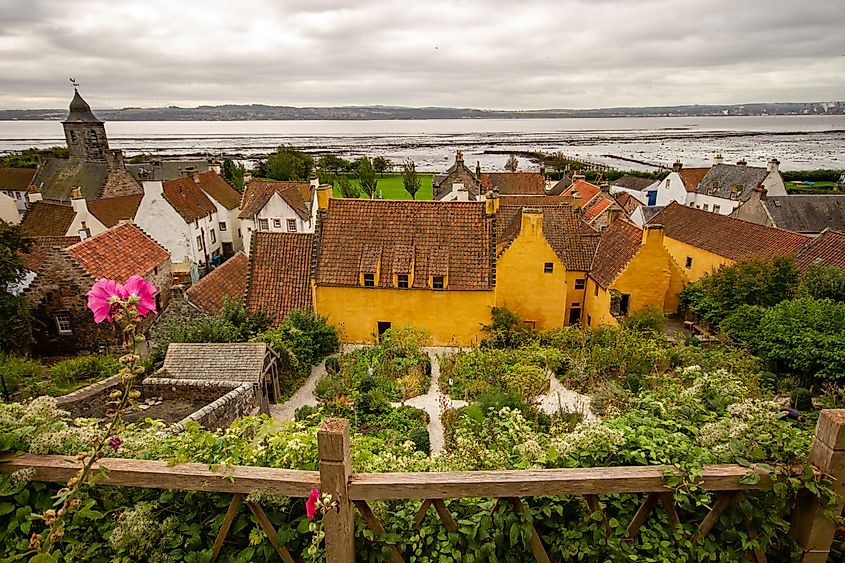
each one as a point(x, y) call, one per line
point(335, 469)
point(375, 525)
point(595, 506)
point(268, 528)
point(713, 516)
point(641, 515)
point(445, 516)
point(418, 517)
point(537, 547)
point(668, 502)
point(541, 482)
point(148, 474)
point(225, 525)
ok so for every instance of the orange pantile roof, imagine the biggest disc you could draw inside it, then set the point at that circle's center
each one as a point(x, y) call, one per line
point(47, 219)
point(514, 183)
point(186, 197)
point(627, 202)
point(258, 193)
point(584, 189)
point(279, 278)
point(110, 211)
point(827, 248)
point(691, 177)
point(16, 179)
point(118, 253)
point(226, 281)
point(219, 189)
point(619, 243)
point(453, 235)
point(600, 204)
point(534, 200)
point(728, 237)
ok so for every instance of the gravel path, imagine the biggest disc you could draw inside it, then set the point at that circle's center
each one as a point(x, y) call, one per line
point(559, 398)
point(303, 396)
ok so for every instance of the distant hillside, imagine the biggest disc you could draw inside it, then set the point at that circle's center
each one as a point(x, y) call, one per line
point(264, 112)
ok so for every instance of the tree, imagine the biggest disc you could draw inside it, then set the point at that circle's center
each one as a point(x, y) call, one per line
point(410, 179)
point(330, 167)
point(234, 173)
point(14, 315)
point(381, 164)
point(512, 164)
point(366, 176)
point(28, 158)
point(347, 188)
point(287, 164)
point(825, 282)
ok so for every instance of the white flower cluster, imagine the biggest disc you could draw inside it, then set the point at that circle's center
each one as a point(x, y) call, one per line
point(589, 436)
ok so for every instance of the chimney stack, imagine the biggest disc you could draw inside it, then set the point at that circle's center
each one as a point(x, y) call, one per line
point(491, 203)
point(324, 193)
point(677, 166)
point(247, 177)
point(459, 157)
point(653, 234)
point(718, 159)
point(773, 165)
point(741, 162)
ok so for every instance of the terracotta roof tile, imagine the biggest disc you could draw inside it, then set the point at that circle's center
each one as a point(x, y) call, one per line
point(219, 189)
point(226, 281)
point(16, 179)
point(584, 189)
point(47, 219)
point(691, 177)
point(827, 248)
point(279, 274)
point(257, 194)
point(618, 245)
point(458, 230)
point(597, 207)
point(627, 202)
point(514, 183)
point(533, 200)
point(118, 253)
point(186, 197)
point(732, 238)
point(110, 211)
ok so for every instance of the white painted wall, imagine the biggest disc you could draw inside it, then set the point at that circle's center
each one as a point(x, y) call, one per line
point(725, 205)
point(671, 189)
point(83, 215)
point(9, 211)
point(636, 194)
point(230, 217)
point(773, 182)
point(18, 197)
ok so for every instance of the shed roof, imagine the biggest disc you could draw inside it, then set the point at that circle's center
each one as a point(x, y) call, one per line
point(827, 248)
point(230, 361)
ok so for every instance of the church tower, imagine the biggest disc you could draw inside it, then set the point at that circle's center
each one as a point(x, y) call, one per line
point(84, 133)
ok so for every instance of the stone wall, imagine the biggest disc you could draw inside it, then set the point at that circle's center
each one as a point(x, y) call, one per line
point(89, 401)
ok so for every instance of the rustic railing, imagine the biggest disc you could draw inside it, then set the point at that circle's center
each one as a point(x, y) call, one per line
point(811, 526)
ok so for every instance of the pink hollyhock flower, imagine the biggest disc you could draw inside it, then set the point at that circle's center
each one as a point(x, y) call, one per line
point(115, 442)
point(311, 503)
point(103, 297)
point(141, 292)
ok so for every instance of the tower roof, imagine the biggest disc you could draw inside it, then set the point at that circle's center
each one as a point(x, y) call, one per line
point(80, 111)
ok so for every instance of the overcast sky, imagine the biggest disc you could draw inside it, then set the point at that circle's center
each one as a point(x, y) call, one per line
point(486, 54)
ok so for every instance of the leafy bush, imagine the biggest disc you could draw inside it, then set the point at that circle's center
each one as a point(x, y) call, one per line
point(305, 411)
point(649, 319)
point(743, 325)
point(825, 282)
point(485, 370)
point(527, 382)
point(332, 365)
point(507, 330)
point(200, 329)
point(18, 372)
point(802, 399)
point(421, 439)
point(84, 369)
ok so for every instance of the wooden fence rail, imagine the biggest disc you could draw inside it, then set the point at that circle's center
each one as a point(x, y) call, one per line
point(811, 526)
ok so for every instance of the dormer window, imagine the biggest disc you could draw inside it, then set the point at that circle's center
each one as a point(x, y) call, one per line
point(437, 282)
point(711, 189)
point(369, 280)
point(402, 281)
point(735, 192)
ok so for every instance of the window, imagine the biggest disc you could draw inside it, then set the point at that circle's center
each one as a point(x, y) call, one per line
point(196, 223)
point(213, 236)
point(222, 226)
point(581, 283)
point(369, 280)
point(402, 281)
point(263, 225)
point(239, 232)
point(706, 207)
point(667, 183)
point(589, 320)
point(199, 242)
point(716, 208)
point(155, 271)
point(596, 290)
point(437, 282)
point(291, 225)
point(63, 323)
point(530, 324)
point(277, 223)
point(73, 137)
point(548, 267)
point(692, 204)
point(619, 303)
point(689, 262)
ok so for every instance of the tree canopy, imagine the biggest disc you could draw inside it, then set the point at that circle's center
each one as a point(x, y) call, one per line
point(366, 176)
point(287, 164)
point(410, 178)
point(14, 315)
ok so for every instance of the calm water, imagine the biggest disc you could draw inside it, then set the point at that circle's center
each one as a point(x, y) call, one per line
point(797, 141)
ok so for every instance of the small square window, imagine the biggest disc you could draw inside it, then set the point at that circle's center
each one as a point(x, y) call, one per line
point(437, 282)
point(706, 207)
point(213, 236)
point(716, 208)
point(369, 280)
point(581, 283)
point(222, 226)
point(263, 225)
point(63, 323)
point(199, 242)
point(277, 223)
point(402, 281)
point(291, 225)
point(548, 267)
point(689, 262)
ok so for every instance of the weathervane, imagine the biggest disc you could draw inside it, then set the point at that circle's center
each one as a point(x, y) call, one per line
point(74, 82)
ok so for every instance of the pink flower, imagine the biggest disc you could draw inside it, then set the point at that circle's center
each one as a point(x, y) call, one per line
point(311, 503)
point(115, 442)
point(103, 297)
point(141, 292)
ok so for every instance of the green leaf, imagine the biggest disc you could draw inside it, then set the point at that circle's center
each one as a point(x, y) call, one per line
point(6, 507)
point(750, 478)
point(515, 534)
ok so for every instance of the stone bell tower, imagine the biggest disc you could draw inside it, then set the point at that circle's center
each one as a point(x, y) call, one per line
point(84, 133)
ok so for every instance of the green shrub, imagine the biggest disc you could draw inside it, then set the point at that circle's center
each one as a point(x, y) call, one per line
point(199, 329)
point(84, 369)
point(507, 330)
point(825, 282)
point(802, 399)
point(742, 325)
point(525, 381)
point(305, 412)
point(332, 364)
point(421, 439)
point(18, 372)
point(649, 319)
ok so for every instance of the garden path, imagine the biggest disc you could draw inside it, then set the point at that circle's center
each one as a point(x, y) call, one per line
point(303, 396)
point(561, 399)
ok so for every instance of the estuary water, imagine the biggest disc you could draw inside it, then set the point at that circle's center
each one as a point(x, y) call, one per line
point(799, 142)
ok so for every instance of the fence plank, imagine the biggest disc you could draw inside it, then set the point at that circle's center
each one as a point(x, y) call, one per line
point(225, 525)
point(713, 516)
point(418, 517)
point(335, 469)
point(641, 515)
point(268, 528)
point(668, 502)
point(375, 525)
point(445, 516)
point(537, 547)
point(595, 506)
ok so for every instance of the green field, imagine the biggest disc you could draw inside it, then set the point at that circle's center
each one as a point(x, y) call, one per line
point(390, 187)
point(816, 188)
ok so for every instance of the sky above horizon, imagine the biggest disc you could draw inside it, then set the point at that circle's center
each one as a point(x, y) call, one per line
point(490, 54)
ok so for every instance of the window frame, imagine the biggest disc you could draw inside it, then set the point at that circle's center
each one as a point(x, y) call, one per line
point(213, 236)
point(221, 225)
point(277, 223)
point(65, 320)
point(438, 282)
point(291, 224)
point(583, 283)
point(548, 267)
point(369, 280)
point(263, 224)
point(688, 263)
point(403, 281)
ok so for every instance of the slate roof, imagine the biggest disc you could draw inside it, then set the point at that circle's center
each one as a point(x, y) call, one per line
point(57, 177)
point(47, 219)
point(166, 169)
point(16, 179)
point(650, 211)
point(279, 277)
point(572, 240)
point(452, 235)
point(631, 182)
point(186, 197)
point(514, 183)
point(721, 179)
point(258, 193)
point(561, 186)
point(807, 213)
point(229, 361)
point(586, 190)
point(827, 248)
point(80, 111)
point(226, 281)
point(118, 253)
point(110, 211)
point(728, 237)
point(691, 177)
point(618, 245)
point(219, 189)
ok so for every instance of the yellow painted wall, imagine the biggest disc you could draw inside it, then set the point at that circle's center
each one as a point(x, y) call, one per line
point(452, 317)
point(598, 305)
point(703, 262)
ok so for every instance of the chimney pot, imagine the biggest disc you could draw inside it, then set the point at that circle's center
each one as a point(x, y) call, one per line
point(718, 159)
point(677, 166)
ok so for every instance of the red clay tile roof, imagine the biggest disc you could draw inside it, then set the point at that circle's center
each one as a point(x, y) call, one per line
point(257, 194)
point(596, 208)
point(40, 246)
point(573, 241)
point(110, 211)
point(826, 248)
point(534, 200)
point(118, 253)
point(279, 278)
point(226, 281)
point(439, 235)
point(16, 179)
point(627, 202)
point(219, 189)
point(732, 238)
point(691, 177)
point(586, 190)
point(47, 219)
point(619, 243)
point(514, 183)
point(186, 197)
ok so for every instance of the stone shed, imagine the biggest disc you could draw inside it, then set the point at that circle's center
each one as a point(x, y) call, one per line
point(245, 362)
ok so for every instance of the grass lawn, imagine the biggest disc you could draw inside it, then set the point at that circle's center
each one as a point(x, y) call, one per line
point(816, 188)
point(390, 186)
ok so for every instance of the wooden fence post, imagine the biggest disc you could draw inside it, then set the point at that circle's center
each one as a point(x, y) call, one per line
point(335, 469)
point(810, 527)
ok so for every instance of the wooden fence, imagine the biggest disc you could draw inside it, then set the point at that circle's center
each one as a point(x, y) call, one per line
point(811, 527)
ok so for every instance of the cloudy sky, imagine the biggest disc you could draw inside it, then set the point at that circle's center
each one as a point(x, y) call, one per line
point(466, 53)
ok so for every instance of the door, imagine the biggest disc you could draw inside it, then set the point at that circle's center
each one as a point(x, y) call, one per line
point(382, 327)
point(574, 315)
